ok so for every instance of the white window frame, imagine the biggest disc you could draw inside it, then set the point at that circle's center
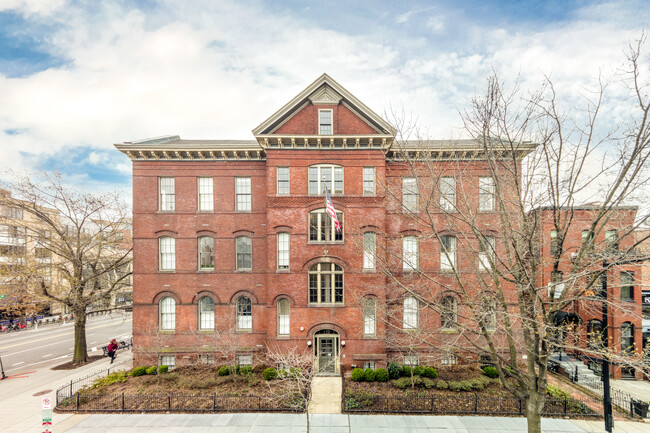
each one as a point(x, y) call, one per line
point(239, 251)
point(410, 253)
point(320, 276)
point(448, 193)
point(321, 224)
point(335, 179)
point(206, 359)
point(410, 313)
point(410, 194)
point(486, 189)
point(556, 284)
point(282, 185)
point(168, 360)
point(166, 253)
point(448, 255)
point(322, 124)
point(370, 364)
point(369, 248)
point(411, 360)
point(369, 181)
point(448, 359)
point(201, 241)
point(369, 317)
point(167, 314)
point(243, 196)
point(449, 314)
point(245, 360)
point(486, 254)
point(284, 317)
point(244, 317)
point(205, 189)
point(206, 315)
point(166, 194)
point(283, 251)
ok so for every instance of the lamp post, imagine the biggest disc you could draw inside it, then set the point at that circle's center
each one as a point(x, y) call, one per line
point(4, 376)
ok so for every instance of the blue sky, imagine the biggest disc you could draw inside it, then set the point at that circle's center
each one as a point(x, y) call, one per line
point(78, 76)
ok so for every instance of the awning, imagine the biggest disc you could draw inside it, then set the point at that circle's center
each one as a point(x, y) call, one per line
point(563, 318)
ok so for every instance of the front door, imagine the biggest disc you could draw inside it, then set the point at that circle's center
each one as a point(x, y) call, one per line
point(326, 355)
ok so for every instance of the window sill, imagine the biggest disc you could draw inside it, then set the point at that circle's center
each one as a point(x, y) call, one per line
point(628, 301)
point(242, 211)
point(244, 271)
point(166, 331)
point(329, 305)
point(325, 242)
point(244, 331)
point(449, 331)
point(206, 331)
point(166, 211)
point(206, 270)
point(370, 337)
point(282, 271)
point(166, 271)
point(369, 271)
point(284, 337)
point(211, 211)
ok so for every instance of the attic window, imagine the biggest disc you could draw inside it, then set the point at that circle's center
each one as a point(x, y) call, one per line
point(325, 122)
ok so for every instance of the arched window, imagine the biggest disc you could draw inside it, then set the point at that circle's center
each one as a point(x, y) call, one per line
point(322, 228)
point(369, 246)
point(595, 334)
point(321, 175)
point(410, 315)
point(167, 313)
point(283, 317)
point(166, 253)
point(488, 313)
point(447, 253)
point(326, 284)
point(369, 317)
point(206, 313)
point(410, 253)
point(206, 253)
point(627, 338)
point(486, 256)
point(244, 253)
point(244, 314)
point(448, 312)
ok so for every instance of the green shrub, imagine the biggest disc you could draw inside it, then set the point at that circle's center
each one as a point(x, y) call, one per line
point(428, 383)
point(294, 372)
point(270, 373)
point(405, 382)
point(394, 370)
point(163, 369)
point(369, 375)
point(418, 370)
point(118, 376)
point(460, 385)
point(479, 383)
point(224, 370)
point(358, 375)
point(282, 373)
point(430, 372)
point(245, 370)
point(490, 372)
point(556, 392)
point(406, 371)
point(139, 371)
point(152, 370)
point(382, 375)
point(442, 384)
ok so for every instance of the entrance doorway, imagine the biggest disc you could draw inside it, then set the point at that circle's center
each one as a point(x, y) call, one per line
point(326, 352)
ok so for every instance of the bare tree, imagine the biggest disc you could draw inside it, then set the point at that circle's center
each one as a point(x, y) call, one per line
point(81, 235)
point(294, 376)
point(474, 275)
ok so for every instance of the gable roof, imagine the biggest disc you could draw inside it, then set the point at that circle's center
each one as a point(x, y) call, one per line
point(324, 90)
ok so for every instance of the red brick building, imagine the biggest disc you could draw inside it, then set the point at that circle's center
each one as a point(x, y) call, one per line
point(234, 251)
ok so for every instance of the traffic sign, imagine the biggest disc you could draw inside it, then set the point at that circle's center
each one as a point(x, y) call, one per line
point(3, 296)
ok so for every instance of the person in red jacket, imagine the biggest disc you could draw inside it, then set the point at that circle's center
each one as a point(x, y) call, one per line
point(112, 350)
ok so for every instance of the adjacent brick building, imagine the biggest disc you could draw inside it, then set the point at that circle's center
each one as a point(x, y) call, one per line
point(234, 251)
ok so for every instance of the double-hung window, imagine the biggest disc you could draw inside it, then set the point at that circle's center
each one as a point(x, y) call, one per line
point(369, 244)
point(283, 317)
point(409, 194)
point(410, 253)
point(167, 314)
point(325, 122)
point(167, 253)
point(447, 253)
point(326, 284)
point(206, 313)
point(448, 313)
point(448, 194)
point(166, 201)
point(206, 203)
point(557, 284)
point(244, 253)
point(611, 241)
point(283, 180)
point(369, 317)
point(322, 228)
point(322, 175)
point(243, 194)
point(410, 313)
point(554, 243)
point(627, 286)
point(283, 250)
point(486, 253)
point(485, 194)
point(244, 314)
point(206, 253)
point(369, 181)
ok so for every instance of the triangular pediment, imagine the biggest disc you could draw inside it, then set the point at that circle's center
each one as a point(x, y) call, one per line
point(324, 91)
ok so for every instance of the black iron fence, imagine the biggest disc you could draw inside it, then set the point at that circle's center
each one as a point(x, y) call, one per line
point(71, 388)
point(469, 404)
point(626, 402)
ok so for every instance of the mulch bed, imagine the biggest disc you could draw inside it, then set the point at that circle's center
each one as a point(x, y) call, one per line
point(71, 366)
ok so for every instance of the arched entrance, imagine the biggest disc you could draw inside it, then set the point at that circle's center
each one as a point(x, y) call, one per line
point(327, 352)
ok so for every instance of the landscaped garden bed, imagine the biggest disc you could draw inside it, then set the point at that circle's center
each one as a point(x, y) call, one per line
point(462, 389)
point(193, 388)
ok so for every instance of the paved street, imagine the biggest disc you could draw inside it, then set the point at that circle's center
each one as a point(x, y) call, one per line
point(27, 349)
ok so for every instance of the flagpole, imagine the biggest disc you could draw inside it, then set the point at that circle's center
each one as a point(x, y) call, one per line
point(325, 198)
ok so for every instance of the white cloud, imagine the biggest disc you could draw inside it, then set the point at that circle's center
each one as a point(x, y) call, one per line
point(32, 7)
point(402, 18)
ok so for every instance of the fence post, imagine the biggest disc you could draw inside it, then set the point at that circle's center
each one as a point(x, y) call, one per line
point(565, 404)
point(432, 404)
point(214, 402)
point(259, 403)
point(520, 412)
point(77, 401)
point(71, 389)
point(475, 403)
point(122, 402)
point(169, 402)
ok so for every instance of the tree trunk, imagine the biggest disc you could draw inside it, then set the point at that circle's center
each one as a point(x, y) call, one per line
point(534, 407)
point(80, 350)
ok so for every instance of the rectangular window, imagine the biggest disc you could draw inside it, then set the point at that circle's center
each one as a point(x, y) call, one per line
point(557, 284)
point(320, 176)
point(448, 359)
point(206, 359)
point(322, 229)
point(245, 360)
point(410, 313)
point(611, 241)
point(283, 250)
point(325, 122)
point(448, 194)
point(243, 194)
point(411, 360)
point(627, 286)
point(447, 253)
point(205, 194)
point(168, 360)
point(368, 180)
point(485, 194)
point(369, 240)
point(283, 180)
point(370, 365)
point(167, 248)
point(596, 287)
point(410, 253)
point(244, 253)
point(283, 317)
point(12, 212)
point(206, 253)
point(554, 243)
point(166, 194)
point(409, 194)
point(486, 253)
point(369, 317)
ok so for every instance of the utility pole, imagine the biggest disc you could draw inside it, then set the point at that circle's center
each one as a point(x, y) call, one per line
point(607, 398)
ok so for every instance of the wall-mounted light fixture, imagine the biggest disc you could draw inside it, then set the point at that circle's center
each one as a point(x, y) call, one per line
point(309, 343)
point(343, 343)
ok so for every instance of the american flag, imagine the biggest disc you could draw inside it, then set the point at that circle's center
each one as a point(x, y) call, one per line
point(329, 208)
